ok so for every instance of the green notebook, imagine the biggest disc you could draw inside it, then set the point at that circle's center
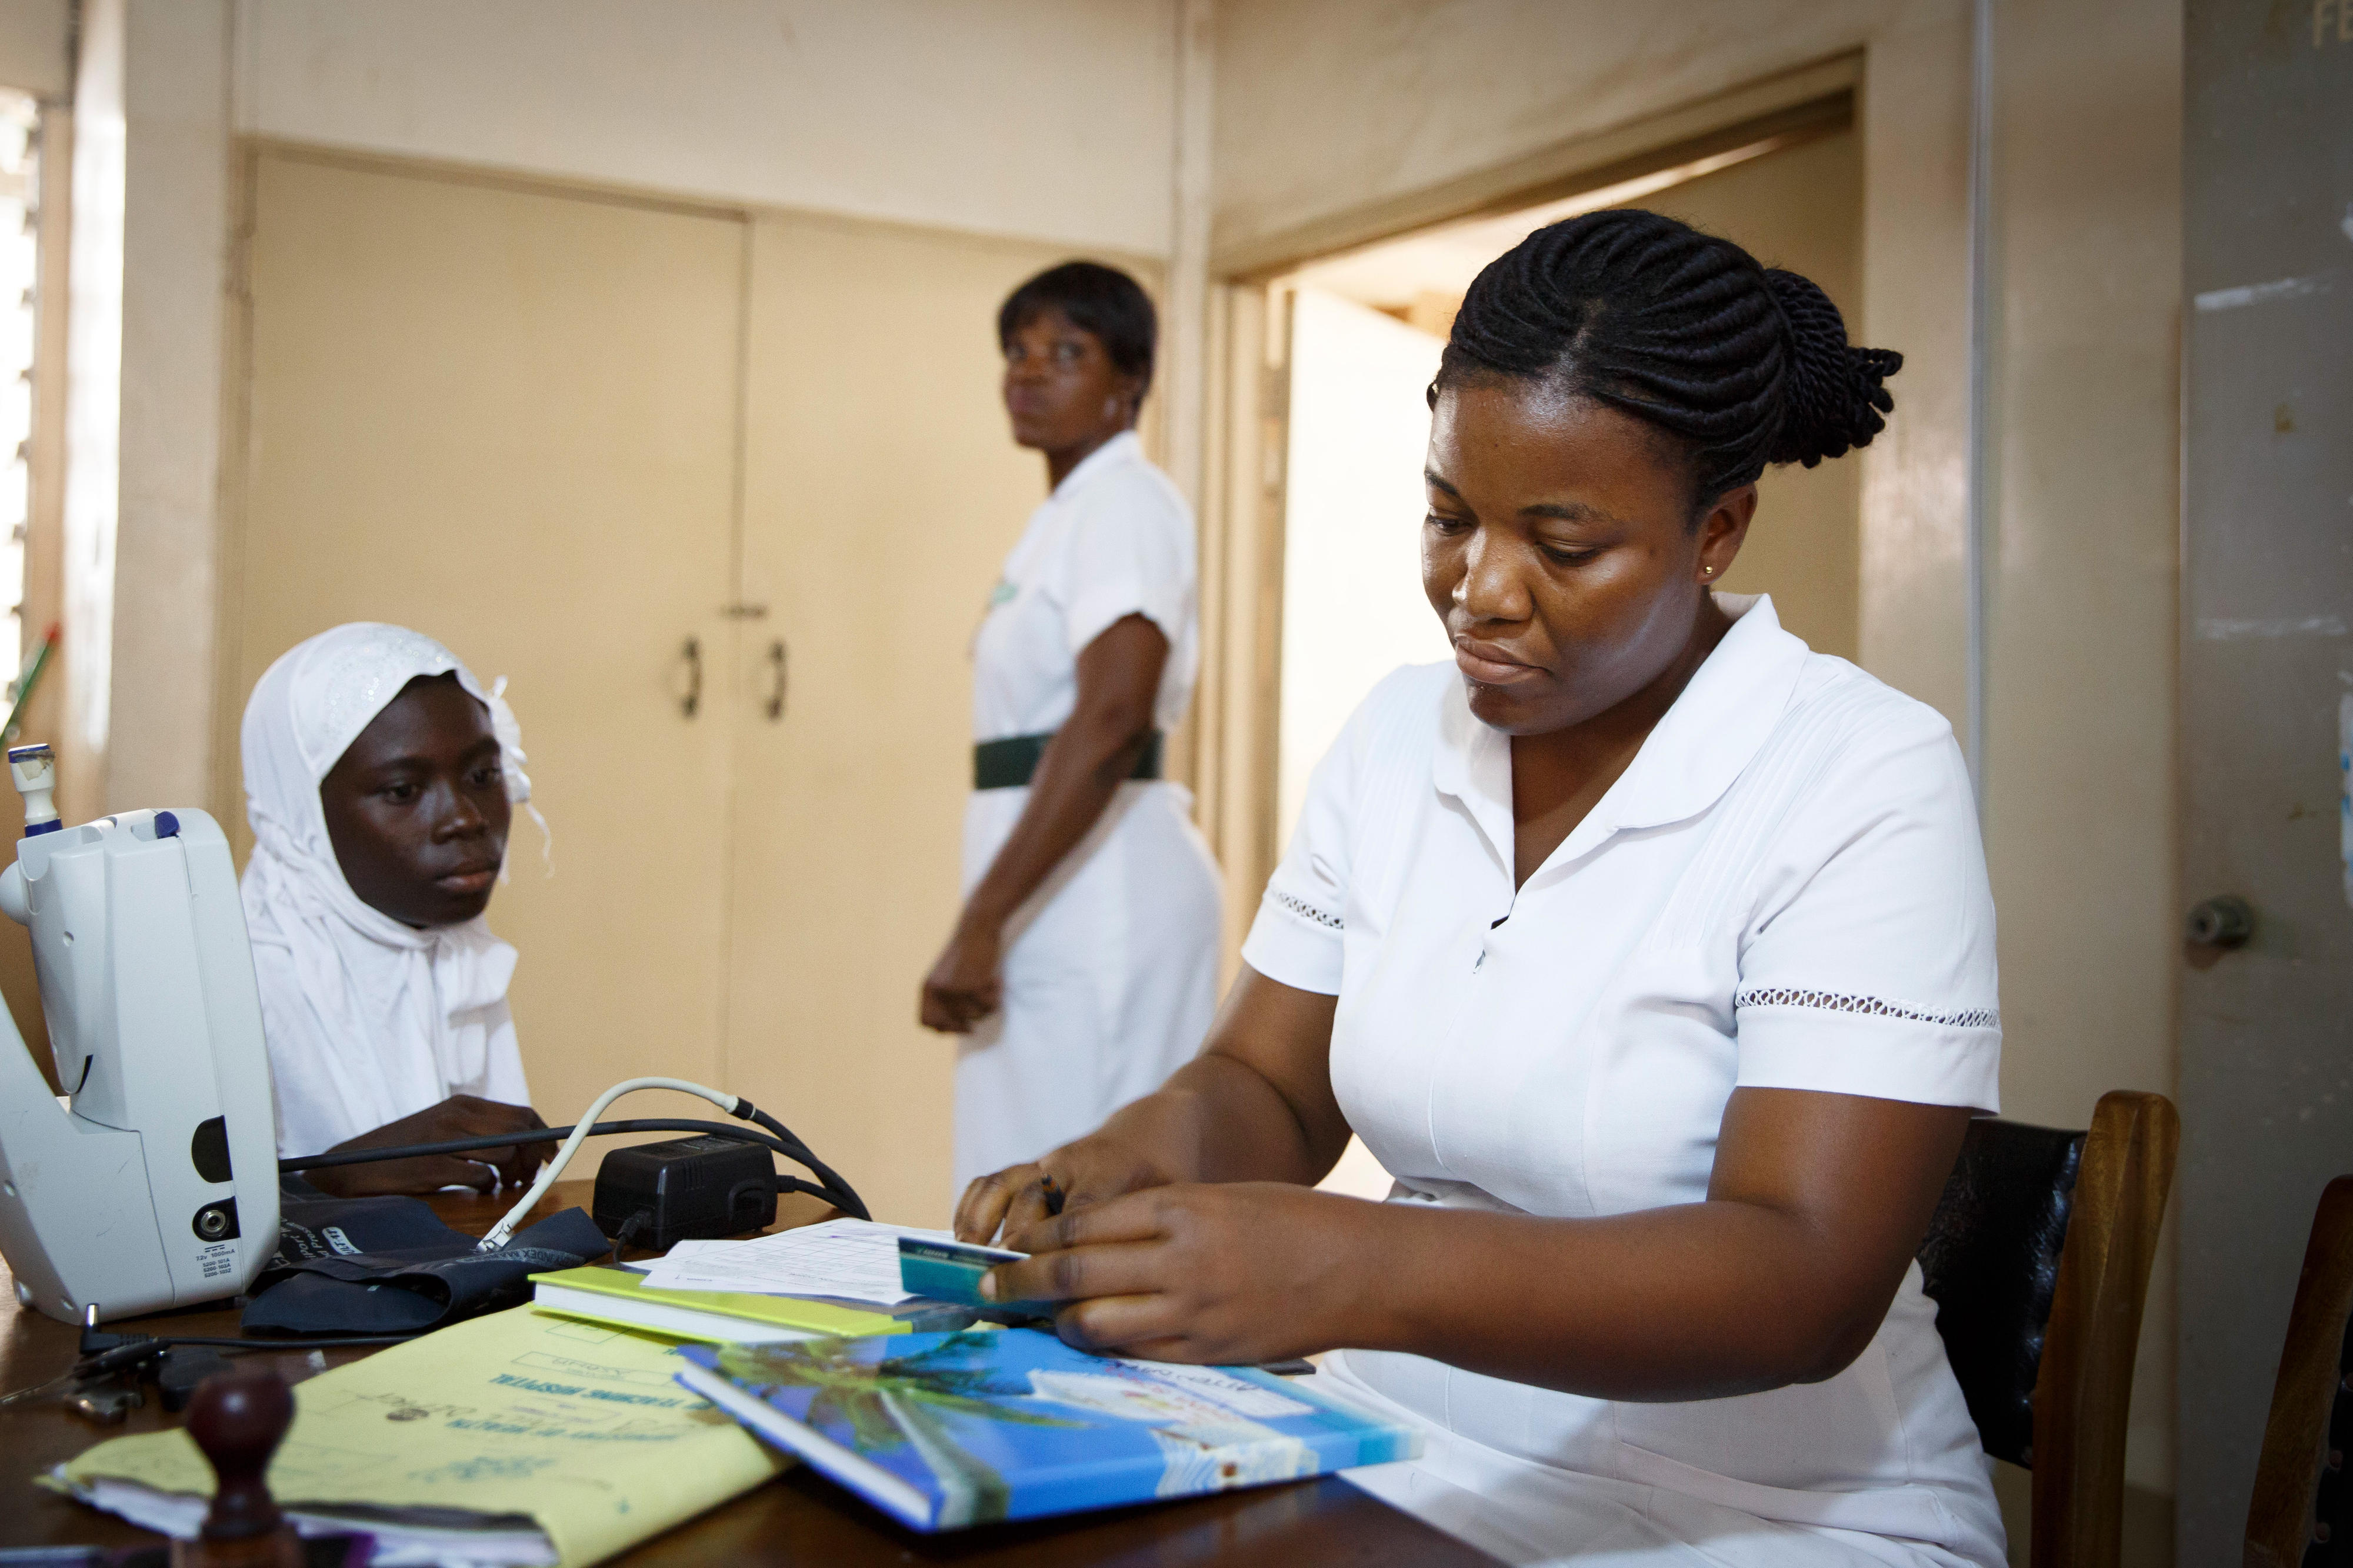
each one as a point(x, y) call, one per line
point(619, 1297)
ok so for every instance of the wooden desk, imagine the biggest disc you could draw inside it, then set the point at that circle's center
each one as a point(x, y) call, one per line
point(796, 1519)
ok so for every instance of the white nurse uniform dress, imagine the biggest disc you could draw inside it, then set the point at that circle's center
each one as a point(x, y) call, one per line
point(1786, 889)
point(1111, 968)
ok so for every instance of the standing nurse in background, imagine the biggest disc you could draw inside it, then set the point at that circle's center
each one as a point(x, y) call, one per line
point(1083, 969)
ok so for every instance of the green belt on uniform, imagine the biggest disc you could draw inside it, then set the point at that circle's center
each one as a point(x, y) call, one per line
point(1012, 762)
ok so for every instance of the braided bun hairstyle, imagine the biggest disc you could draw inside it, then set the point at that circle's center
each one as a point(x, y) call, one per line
point(1748, 365)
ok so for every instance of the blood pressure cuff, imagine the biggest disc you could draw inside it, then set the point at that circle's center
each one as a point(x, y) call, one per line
point(389, 1265)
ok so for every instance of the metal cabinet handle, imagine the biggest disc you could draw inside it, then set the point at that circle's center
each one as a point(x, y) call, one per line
point(693, 701)
point(777, 692)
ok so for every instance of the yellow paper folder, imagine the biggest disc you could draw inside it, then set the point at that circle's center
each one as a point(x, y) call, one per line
point(496, 1425)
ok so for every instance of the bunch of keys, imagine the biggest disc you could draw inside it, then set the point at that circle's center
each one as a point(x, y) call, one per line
point(107, 1399)
point(105, 1387)
point(106, 1379)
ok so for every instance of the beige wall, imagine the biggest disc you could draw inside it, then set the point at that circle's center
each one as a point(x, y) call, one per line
point(867, 110)
point(1327, 107)
point(2080, 755)
point(1800, 209)
point(93, 410)
point(33, 53)
point(142, 421)
point(1324, 106)
point(175, 274)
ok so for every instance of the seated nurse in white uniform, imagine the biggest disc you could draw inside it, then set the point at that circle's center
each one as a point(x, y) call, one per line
point(1650, 952)
point(380, 778)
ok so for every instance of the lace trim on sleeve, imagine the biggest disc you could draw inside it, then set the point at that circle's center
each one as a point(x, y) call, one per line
point(1832, 1002)
point(1306, 912)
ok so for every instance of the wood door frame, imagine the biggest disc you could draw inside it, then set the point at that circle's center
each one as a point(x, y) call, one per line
point(1230, 758)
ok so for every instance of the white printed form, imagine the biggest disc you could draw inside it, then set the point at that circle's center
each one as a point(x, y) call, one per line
point(856, 1259)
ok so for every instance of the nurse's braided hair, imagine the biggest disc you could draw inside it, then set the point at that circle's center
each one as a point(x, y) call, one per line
point(1746, 364)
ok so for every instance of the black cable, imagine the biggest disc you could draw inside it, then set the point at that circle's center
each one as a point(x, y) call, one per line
point(134, 1351)
point(535, 1135)
point(746, 1112)
point(775, 1135)
point(331, 1343)
point(628, 1234)
point(836, 1189)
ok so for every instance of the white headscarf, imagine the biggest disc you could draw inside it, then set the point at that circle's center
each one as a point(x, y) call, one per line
point(368, 1020)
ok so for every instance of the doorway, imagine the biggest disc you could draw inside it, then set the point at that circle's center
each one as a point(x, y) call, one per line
point(1362, 336)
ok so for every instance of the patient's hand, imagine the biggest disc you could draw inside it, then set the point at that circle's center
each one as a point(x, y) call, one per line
point(460, 1116)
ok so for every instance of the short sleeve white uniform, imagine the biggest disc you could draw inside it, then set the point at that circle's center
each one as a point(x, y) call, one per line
point(1786, 889)
point(1110, 967)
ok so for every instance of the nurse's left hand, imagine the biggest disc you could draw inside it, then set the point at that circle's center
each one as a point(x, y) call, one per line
point(1236, 1273)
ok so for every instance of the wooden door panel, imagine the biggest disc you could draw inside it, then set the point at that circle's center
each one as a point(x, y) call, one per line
point(507, 418)
point(883, 491)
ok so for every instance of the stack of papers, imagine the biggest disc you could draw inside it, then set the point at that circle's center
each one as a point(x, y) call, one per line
point(405, 1538)
point(841, 1259)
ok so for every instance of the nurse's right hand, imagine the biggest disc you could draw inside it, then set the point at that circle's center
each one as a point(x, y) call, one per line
point(1094, 1170)
point(1255, 1106)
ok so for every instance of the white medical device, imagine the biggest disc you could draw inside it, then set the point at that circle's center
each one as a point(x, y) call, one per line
point(152, 1181)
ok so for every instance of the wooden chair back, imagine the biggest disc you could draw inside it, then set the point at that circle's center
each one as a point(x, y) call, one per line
point(2302, 1512)
point(2039, 1260)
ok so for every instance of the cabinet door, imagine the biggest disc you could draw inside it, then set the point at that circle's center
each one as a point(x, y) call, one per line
point(508, 417)
point(881, 493)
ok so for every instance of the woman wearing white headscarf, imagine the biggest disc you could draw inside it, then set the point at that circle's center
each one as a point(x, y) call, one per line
point(383, 994)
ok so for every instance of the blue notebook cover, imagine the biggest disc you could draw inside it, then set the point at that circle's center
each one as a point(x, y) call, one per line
point(947, 1430)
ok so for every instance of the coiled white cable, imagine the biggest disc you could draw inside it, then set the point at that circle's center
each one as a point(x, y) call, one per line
point(500, 1232)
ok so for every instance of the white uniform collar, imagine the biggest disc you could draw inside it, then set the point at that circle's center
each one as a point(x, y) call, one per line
point(1122, 447)
point(1689, 759)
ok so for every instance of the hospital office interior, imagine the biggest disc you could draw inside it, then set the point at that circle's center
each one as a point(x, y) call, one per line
point(711, 466)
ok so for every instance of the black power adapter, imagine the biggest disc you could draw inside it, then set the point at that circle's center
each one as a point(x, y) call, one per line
point(687, 1187)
